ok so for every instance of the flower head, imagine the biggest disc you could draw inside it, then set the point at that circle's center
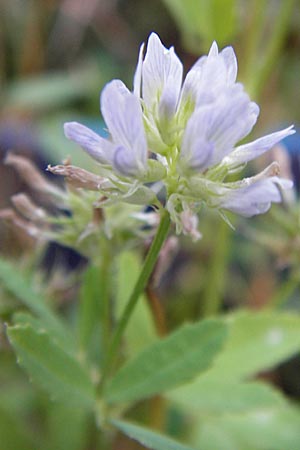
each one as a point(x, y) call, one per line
point(184, 135)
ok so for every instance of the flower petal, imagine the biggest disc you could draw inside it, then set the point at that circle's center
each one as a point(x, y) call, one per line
point(124, 161)
point(223, 122)
point(213, 51)
point(230, 61)
point(137, 79)
point(255, 198)
point(200, 154)
point(247, 152)
point(161, 67)
point(123, 115)
point(98, 148)
point(196, 151)
point(209, 76)
point(168, 102)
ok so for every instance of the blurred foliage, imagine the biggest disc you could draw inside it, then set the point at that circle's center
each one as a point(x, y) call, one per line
point(198, 20)
point(55, 57)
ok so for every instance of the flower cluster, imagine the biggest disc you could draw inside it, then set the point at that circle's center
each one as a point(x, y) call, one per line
point(181, 136)
point(69, 214)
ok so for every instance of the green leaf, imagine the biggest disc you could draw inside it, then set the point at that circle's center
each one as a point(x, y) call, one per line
point(16, 395)
point(90, 298)
point(259, 430)
point(13, 434)
point(256, 341)
point(67, 427)
point(236, 415)
point(24, 318)
point(50, 367)
point(94, 314)
point(169, 362)
point(21, 287)
point(148, 438)
point(219, 397)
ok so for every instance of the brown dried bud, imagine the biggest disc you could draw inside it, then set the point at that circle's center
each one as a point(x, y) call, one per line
point(31, 175)
point(80, 178)
point(272, 170)
point(280, 154)
point(28, 208)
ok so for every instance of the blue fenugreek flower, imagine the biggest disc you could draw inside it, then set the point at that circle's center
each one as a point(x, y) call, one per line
point(183, 135)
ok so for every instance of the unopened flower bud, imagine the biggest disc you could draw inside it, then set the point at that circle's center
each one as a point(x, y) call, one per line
point(31, 175)
point(28, 208)
point(189, 222)
point(80, 178)
point(9, 215)
point(280, 154)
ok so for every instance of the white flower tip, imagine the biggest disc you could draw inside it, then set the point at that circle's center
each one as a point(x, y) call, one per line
point(114, 86)
point(137, 79)
point(153, 35)
point(229, 48)
point(69, 128)
point(155, 42)
point(291, 130)
point(154, 39)
point(141, 51)
point(214, 50)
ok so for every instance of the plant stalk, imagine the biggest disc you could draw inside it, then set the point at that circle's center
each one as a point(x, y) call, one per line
point(140, 285)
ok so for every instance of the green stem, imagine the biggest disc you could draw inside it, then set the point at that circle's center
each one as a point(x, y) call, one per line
point(94, 307)
point(140, 285)
point(105, 278)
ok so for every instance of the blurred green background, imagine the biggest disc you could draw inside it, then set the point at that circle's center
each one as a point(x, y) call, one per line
point(55, 57)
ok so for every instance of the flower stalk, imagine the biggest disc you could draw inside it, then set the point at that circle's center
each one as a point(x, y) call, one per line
point(138, 289)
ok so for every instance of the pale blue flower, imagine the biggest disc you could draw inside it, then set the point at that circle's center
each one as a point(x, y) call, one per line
point(256, 198)
point(185, 135)
point(97, 147)
point(213, 129)
point(244, 153)
point(126, 152)
point(212, 115)
point(167, 100)
point(209, 76)
point(158, 78)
